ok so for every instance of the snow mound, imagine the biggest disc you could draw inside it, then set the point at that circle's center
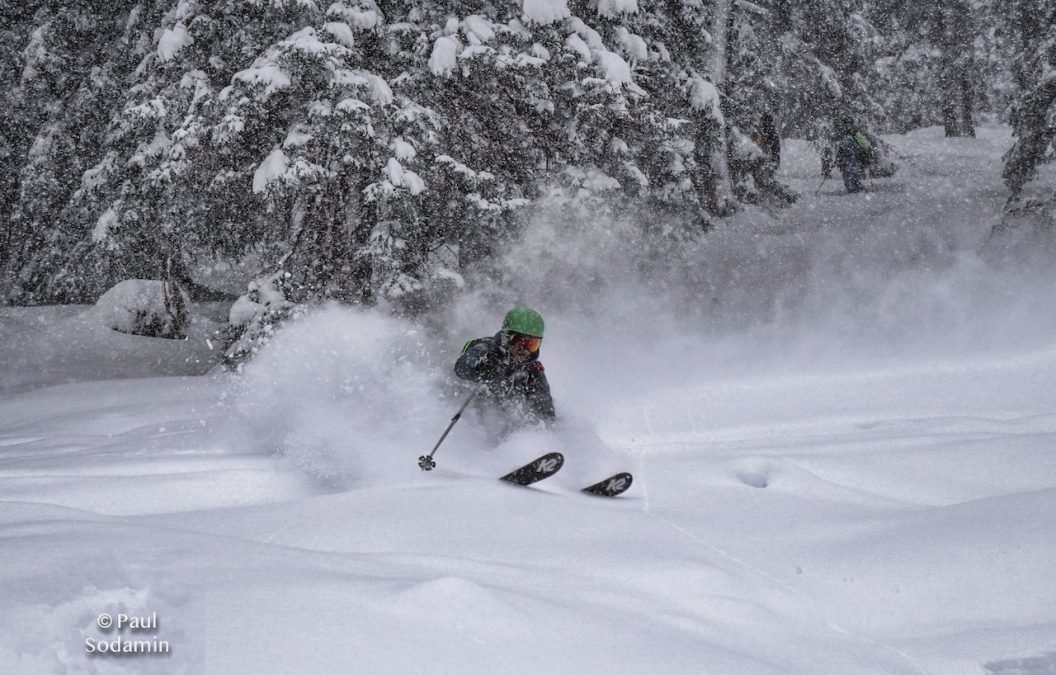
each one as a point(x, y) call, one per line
point(42, 346)
point(145, 307)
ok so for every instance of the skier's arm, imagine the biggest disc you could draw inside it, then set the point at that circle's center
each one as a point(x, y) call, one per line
point(478, 362)
point(539, 397)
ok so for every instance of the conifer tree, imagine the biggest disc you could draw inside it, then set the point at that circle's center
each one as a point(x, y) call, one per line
point(364, 152)
point(935, 52)
point(1034, 112)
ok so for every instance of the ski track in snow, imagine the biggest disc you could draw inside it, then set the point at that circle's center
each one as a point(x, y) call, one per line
point(863, 482)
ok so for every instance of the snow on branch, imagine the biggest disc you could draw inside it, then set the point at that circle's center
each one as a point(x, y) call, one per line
point(341, 32)
point(172, 41)
point(751, 7)
point(306, 41)
point(589, 35)
point(478, 29)
point(495, 206)
point(614, 67)
point(544, 12)
point(154, 109)
point(444, 56)
point(98, 175)
point(379, 89)
point(614, 9)
point(462, 169)
point(264, 73)
point(402, 149)
point(587, 43)
point(296, 138)
point(351, 105)
point(704, 97)
point(576, 44)
point(633, 45)
point(363, 19)
point(106, 223)
point(271, 169)
point(399, 177)
point(282, 4)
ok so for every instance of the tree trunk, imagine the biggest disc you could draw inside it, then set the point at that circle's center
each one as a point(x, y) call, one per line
point(722, 198)
point(955, 32)
point(720, 23)
point(967, 103)
point(949, 114)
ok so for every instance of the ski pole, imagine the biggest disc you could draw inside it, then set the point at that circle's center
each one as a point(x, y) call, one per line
point(824, 178)
point(426, 462)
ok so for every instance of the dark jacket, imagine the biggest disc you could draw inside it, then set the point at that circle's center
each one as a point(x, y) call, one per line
point(520, 385)
point(848, 154)
point(768, 140)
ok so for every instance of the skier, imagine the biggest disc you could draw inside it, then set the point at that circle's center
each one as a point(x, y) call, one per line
point(764, 169)
point(851, 149)
point(509, 373)
point(769, 142)
point(508, 365)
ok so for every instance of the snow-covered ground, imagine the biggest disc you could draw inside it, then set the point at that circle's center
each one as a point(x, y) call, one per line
point(844, 463)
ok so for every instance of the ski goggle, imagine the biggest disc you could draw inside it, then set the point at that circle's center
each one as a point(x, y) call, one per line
point(526, 342)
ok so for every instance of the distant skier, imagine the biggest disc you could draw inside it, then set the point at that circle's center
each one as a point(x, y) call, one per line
point(508, 365)
point(853, 153)
point(769, 142)
point(763, 168)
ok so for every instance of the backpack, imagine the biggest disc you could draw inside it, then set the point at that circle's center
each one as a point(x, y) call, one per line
point(865, 149)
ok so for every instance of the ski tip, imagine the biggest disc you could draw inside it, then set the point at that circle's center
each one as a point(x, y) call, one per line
point(612, 486)
point(536, 470)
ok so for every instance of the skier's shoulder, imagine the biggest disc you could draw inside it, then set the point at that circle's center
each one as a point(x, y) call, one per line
point(536, 371)
point(487, 341)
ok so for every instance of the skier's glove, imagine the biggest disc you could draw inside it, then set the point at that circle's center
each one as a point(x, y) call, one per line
point(484, 360)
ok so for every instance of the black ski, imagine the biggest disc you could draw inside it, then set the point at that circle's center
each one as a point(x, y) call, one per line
point(536, 470)
point(611, 486)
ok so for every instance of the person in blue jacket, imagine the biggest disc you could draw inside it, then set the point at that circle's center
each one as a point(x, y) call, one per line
point(854, 152)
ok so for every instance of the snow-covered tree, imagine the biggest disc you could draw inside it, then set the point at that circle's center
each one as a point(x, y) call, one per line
point(942, 62)
point(19, 114)
point(823, 56)
point(68, 83)
point(1034, 112)
point(370, 152)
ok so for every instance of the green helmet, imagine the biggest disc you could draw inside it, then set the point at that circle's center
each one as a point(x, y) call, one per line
point(523, 320)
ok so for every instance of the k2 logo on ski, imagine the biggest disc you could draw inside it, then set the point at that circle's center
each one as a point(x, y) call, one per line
point(546, 466)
